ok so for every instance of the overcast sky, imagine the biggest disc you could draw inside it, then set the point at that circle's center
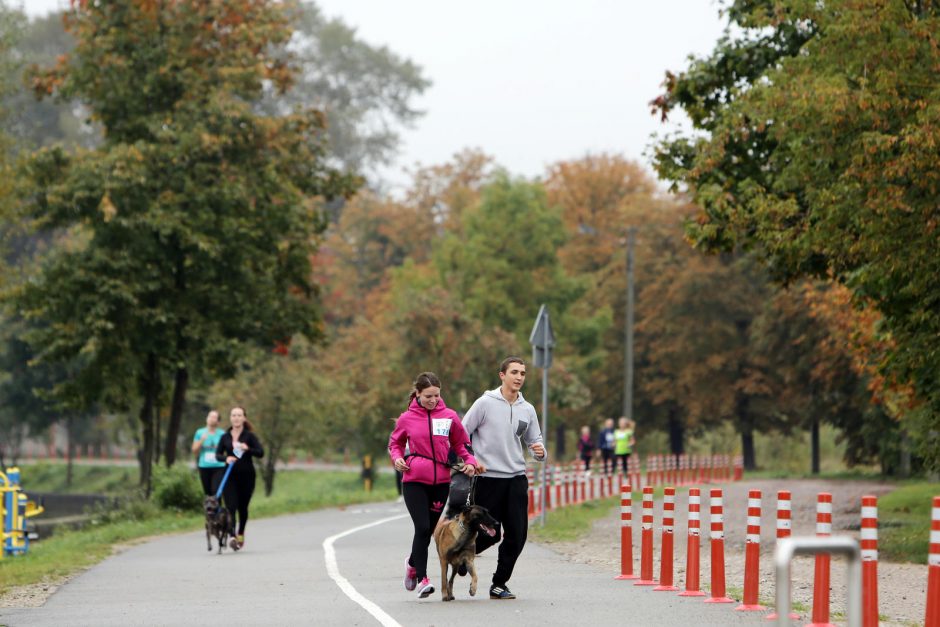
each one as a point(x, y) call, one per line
point(529, 81)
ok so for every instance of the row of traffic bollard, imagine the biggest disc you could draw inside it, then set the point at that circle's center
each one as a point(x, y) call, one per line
point(820, 612)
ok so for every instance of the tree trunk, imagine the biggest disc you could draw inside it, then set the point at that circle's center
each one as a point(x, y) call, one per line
point(560, 441)
point(148, 385)
point(274, 449)
point(814, 446)
point(904, 469)
point(747, 448)
point(676, 432)
point(156, 433)
point(69, 450)
point(746, 425)
point(180, 385)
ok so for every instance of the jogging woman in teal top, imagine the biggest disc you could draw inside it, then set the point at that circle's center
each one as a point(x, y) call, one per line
point(205, 442)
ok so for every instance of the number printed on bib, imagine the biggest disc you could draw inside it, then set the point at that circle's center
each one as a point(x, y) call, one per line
point(209, 456)
point(441, 426)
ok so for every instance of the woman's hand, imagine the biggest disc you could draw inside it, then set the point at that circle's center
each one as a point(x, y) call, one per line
point(401, 465)
point(231, 459)
point(480, 468)
point(469, 470)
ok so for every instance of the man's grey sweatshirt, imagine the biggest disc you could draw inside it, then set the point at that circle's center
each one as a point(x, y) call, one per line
point(498, 429)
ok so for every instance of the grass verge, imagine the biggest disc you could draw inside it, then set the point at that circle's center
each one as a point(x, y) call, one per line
point(904, 522)
point(52, 560)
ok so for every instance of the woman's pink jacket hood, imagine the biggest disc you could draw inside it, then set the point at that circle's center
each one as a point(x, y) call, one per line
point(430, 435)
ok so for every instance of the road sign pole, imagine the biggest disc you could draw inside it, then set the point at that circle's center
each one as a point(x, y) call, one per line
point(543, 340)
point(544, 424)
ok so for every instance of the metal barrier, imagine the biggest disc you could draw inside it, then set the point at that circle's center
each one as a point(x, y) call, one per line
point(787, 548)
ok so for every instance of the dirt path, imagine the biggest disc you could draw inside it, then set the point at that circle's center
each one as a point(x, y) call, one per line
point(902, 588)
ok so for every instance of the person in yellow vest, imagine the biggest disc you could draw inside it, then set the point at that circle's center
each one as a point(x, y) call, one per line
point(624, 441)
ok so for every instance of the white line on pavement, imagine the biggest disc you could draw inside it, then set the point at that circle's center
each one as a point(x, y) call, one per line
point(329, 555)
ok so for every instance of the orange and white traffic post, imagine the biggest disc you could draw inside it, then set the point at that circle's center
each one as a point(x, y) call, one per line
point(869, 545)
point(933, 568)
point(666, 546)
point(784, 527)
point(717, 549)
point(821, 576)
point(752, 555)
point(646, 540)
point(626, 533)
point(692, 563)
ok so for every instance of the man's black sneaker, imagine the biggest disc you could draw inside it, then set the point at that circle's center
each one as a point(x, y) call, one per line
point(462, 569)
point(501, 592)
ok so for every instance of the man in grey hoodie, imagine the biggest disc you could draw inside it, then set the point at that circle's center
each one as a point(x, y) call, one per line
point(498, 423)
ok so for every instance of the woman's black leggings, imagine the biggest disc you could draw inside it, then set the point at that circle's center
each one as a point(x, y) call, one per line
point(625, 459)
point(237, 493)
point(425, 503)
point(210, 478)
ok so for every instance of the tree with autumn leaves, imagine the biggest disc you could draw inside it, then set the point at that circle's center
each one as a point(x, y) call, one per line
point(815, 147)
point(193, 224)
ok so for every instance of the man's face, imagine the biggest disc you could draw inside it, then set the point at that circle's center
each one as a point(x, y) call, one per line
point(514, 376)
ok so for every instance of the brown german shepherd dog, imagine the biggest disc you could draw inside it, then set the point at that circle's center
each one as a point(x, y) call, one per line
point(218, 522)
point(456, 545)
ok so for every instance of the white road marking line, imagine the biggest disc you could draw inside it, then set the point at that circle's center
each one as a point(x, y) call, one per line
point(332, 569)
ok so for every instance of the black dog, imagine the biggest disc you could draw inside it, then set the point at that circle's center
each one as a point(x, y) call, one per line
point(218, 522)
point(456, 545)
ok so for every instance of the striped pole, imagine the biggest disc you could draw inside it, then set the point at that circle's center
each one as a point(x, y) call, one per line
point(821, 576)
point(783, 531)
point(646, 540)
point(752, 555)
point(692, 586)
point(933, 568)
point(665, 548)
point(717, 549)
point(869, 542)
point(626, 533)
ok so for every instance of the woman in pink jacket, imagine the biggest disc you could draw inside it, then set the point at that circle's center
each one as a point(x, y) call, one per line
point(430, 429)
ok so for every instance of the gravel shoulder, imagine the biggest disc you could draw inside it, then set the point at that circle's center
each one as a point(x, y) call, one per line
point(902, 588)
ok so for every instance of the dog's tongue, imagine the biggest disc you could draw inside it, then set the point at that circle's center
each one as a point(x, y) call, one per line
point(489, 530)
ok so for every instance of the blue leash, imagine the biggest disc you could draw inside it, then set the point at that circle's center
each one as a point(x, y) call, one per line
point(228, 471)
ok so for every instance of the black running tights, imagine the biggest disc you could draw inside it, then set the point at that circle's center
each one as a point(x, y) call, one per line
point(425, 503)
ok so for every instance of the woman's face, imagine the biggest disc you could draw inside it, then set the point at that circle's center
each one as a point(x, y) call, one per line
point(212, 419)
point(428, 397)
point(237, 417)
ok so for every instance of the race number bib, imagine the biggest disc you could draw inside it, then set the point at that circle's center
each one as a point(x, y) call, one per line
point(209, 457)
point(237, 451)
point(441, 426)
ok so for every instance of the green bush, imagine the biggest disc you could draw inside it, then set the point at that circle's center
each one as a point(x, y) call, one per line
point(177, 488)
point(133, 508)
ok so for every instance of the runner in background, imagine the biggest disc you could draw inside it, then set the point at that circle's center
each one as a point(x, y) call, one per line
point(205, 442)
point(624, 441)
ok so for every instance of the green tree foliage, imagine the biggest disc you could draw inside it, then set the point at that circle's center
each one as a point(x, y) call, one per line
point(195, 220)
point(815, 145)
point(365, 91)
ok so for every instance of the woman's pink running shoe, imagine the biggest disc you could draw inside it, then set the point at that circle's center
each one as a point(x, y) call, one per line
point(425, 588)
point(411, 576)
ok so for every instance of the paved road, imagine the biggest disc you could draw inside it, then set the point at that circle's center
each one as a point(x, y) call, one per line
point(284, 577)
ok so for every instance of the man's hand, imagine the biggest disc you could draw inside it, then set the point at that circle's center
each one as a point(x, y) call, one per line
point(538, 450)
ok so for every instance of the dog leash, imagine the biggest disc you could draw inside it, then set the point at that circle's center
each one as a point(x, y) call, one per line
point(228, 471)
point(473, 485)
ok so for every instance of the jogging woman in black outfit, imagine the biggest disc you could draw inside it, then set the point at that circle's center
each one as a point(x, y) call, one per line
point(238, 446)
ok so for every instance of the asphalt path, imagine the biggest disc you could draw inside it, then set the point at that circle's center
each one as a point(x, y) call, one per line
point(345, 567)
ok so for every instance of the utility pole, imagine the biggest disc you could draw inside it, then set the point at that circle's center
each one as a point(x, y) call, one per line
point(628, 330)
